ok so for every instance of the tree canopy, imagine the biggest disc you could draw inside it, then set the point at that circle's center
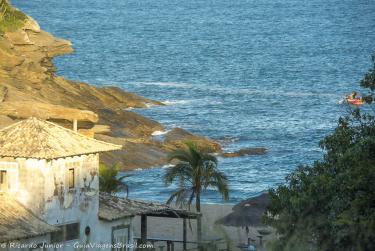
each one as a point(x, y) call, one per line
point(195, 171)
point(109, 181)
point(368, 82)
point(330, 205)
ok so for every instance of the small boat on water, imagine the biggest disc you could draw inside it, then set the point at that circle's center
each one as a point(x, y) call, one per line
point(355, 101)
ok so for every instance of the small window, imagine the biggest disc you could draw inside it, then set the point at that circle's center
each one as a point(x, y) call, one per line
point(8, 176)
point(58, 236)
point(71, 179)
point(72, 231)
point(3, 180)
point(66, 232)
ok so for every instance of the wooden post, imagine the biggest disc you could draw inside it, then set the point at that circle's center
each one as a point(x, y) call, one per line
point(143, 229)
point(184, 235)
point(75, 125)
point(169, 246)
point(260, 240)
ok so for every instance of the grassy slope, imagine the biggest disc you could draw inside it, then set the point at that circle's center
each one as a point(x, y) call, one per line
point(10, 18)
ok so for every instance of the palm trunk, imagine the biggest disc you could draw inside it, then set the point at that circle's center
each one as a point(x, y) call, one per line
point(199, 221)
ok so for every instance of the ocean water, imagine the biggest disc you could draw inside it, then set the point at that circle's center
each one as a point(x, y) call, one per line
point(250, 73)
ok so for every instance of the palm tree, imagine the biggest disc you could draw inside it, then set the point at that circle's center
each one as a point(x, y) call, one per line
point(195, 171)
point(109, 182)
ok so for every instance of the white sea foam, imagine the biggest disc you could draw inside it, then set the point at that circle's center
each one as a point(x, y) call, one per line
point(306, 94)
point(234, 91)
point(167, 84)
point(176, 102)
point(342, 101)
point(149, 105)
point(229, 139)
point(158, 133)
point(167, 166)
point(207, 101)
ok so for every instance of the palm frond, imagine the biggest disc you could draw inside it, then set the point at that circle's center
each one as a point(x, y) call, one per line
point(180, 171)
point(124, 176)
point(191, 198)
point(122, 187)
point(182, 200)
point(177, 195)
point(180, 155)
point(195, 171)
point(219, 181)
point(109, 182)
point(194, 152)
point(210, 157)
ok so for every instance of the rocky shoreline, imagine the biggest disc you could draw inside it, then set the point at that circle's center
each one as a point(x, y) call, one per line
point(29, 86)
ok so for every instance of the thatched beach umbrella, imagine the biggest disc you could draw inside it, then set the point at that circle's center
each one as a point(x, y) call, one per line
point(247, 213)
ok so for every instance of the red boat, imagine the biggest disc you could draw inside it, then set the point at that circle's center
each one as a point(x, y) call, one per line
point(355, 101)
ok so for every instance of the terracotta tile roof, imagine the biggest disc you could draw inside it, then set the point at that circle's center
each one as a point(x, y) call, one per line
point(36, 138)
point(114, 208)
point(17, 222)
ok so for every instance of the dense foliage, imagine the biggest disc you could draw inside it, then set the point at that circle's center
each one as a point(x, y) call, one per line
point(109, 181)
point(368, 82)
point(331, 204)
point(10, 18)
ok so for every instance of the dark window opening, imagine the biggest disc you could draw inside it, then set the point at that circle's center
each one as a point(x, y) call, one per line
point(71, 178)
point(72, 231)
point(3, 180)
point(66, 232)
point(58, 236)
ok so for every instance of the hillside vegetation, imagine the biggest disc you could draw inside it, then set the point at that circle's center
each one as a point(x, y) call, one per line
point(10, 18)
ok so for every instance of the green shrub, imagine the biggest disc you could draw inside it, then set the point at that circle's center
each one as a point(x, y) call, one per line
point(10, 18)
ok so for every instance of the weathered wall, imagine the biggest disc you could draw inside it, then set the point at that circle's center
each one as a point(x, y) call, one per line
point(43, 188)
point(80, 204)
point(28, 187)
point(102, 233)
point(68, 205)
point(32, 177)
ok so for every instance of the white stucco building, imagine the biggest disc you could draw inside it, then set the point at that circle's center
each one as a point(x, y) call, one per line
point(49, 187)
point(49, 193)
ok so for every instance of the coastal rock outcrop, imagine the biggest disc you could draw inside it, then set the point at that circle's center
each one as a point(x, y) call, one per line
point(176, 138)
point(27, 109)
point(245, 151)
point(30, 87)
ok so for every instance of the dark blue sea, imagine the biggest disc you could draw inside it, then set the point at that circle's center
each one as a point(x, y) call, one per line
point(250, 73)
